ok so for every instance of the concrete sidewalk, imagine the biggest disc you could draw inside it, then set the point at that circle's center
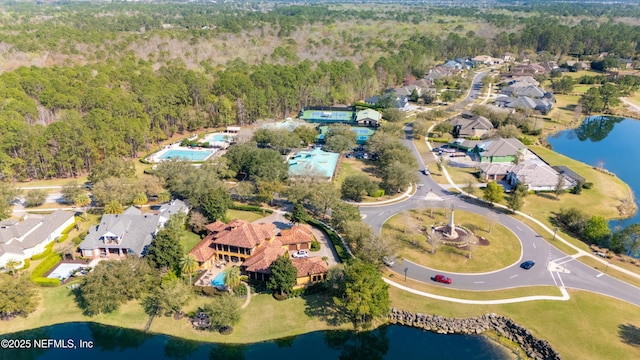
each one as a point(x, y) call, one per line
point(564, 297)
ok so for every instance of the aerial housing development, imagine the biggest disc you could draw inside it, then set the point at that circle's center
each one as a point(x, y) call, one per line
point(216, 178)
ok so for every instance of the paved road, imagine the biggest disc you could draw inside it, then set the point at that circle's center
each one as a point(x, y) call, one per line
point(553, 267)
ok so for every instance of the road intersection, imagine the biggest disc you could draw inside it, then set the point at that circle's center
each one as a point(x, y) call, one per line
point(553, 267)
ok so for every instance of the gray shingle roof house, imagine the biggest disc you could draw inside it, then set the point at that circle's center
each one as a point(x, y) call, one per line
point(20, 240)
point(129, 233)
point(524, 102)
point(496, 150)
point(537, 176)
point(531, 91)
point(472, 126)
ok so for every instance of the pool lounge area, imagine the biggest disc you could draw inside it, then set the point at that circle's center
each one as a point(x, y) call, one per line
point(222, 140)
point(64, 270)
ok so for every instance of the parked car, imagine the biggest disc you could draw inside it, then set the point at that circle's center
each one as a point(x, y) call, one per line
point(300, 254)
point(425, 171)
point(388, 261)
point(527, 264)
point(441, 279)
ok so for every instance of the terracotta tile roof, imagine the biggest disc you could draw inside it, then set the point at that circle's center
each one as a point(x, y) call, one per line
point(241, 233)
point(203, 251)
point(310, 266)
point(215, 226)
point(263, 257)
point(296, 235)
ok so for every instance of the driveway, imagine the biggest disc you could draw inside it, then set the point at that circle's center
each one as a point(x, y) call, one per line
point(326, 247)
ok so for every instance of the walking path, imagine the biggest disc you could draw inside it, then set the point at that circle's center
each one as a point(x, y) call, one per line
point(564, 297)
point(633, 107)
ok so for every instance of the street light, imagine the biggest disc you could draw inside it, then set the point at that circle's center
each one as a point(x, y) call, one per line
point(405, 274)
point(555, 230)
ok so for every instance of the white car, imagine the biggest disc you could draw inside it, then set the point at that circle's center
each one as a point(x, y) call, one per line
point(300, 254)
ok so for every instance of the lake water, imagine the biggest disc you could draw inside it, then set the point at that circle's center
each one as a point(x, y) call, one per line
point(389, 342)
point(609, 142)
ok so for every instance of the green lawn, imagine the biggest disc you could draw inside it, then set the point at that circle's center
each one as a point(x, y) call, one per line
point(588, 326)
point(403, 230)
point(608, 191)
point(189, 240)
point(243, 215)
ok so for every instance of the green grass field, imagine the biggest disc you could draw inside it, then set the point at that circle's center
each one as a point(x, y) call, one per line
point(403, 229)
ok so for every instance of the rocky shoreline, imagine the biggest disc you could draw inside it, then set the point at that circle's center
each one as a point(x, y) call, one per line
point(532, 346)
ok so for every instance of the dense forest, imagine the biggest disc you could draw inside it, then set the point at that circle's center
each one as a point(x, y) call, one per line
point(82, 82)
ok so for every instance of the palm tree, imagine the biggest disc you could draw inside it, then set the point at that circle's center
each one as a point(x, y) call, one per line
point(189, 265)
point(140, 199)
point(113, 207)
point(12, 266)
point(164, 197)
point(82, 201)
point(232, 277)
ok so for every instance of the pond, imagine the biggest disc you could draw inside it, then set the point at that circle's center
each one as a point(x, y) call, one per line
point(608, 142)
point(389, 342)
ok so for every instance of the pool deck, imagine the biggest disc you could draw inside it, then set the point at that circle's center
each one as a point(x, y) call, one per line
point(209, 275)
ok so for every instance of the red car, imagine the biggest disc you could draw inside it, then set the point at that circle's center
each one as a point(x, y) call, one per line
point(441, 278)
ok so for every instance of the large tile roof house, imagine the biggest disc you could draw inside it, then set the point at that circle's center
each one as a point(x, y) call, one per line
point(255, 247)
point(20, 240)
point(129, 233)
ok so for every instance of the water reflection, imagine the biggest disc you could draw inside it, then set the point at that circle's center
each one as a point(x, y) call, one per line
point(388, 342)
point(363, 345)
point(596, 128)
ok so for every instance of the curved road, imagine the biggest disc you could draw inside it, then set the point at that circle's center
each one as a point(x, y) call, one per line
point(553, 267)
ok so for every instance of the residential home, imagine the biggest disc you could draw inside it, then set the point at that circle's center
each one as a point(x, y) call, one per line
point(437, 73)
point(298, 237)
point(20, 240)
point(310, 270)
point(237, 240)
point(468, 125)
point(495, 150)
point(256, 246)
point(509, 57)
point(530, 91)
point(129, 233)
point(524, 102)
point(538, 177)
point(394, 101)
point(526, 70)
point(522, 81)
point(368, 117)
point(627, 64)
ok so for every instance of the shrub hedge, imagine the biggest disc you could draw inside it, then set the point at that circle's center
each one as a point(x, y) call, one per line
point(252, 208)
point(46, 282)
point(46, 265)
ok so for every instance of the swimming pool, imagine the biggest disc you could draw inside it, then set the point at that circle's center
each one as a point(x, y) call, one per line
point(218, 280)
point(218, 138)
point(64, 271)
point(192, 155)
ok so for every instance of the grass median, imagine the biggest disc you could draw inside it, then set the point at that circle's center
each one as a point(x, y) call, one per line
point(407, 231)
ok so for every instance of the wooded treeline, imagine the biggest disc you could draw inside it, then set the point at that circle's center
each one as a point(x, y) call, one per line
point(59, 121)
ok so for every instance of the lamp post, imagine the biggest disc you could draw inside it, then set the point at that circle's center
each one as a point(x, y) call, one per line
point(555, 230)
point(405, 274)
